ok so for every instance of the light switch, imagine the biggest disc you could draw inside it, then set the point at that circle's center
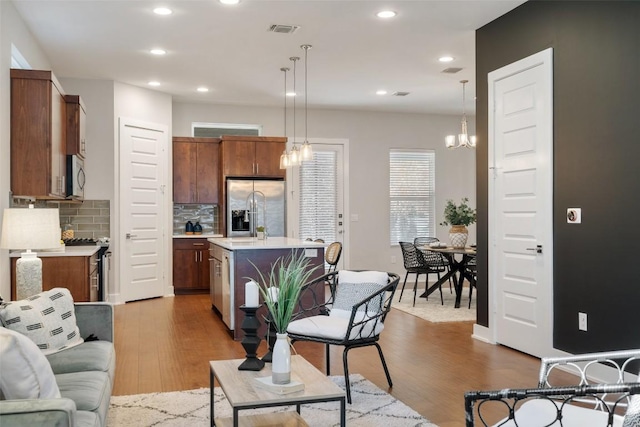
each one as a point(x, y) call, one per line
point(355, 217)
point(574, 215)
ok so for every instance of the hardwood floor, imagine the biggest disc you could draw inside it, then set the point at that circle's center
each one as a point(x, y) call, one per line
point(165, 344)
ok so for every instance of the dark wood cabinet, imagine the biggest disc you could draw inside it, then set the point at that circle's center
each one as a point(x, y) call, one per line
point(38, 144)
point(196, 170)
point(190, 266)
point(79, 274)
point(252, 156)
point(76, 133)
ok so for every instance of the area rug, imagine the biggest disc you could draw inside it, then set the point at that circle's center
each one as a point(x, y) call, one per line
point(371, 407)
point(432, 310)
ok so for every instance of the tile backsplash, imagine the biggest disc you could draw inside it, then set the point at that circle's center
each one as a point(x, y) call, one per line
point(88, 219)
point(206, 215)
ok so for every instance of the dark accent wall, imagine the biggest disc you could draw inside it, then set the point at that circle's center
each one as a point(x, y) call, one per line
point(596, 74)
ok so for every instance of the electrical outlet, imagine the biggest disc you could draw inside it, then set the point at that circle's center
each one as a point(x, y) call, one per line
point(393, 259)
point(582, 321)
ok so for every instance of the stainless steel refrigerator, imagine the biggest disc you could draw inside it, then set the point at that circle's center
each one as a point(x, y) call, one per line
point(250, 201)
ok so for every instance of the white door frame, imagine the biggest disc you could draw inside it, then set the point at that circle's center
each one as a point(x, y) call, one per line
point(546, 59)
point(117, 241)
point(344, 258)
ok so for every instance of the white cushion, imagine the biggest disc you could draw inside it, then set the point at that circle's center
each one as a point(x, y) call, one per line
point(47, 318)
point(540, 412)
point(25, 372)
point(334, 327)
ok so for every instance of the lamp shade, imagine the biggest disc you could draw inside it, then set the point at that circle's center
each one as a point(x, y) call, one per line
point(30, 229)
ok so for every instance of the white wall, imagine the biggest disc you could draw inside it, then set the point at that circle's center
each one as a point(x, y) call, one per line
point(12, 31)
point(132, 102)
point(370, 136)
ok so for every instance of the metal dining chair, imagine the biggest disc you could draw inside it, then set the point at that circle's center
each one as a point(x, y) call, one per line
point(424, 241)
point(418, 262)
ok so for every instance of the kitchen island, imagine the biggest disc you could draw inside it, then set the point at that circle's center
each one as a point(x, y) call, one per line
point(236, 259)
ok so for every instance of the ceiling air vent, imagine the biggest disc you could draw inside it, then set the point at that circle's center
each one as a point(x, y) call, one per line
point(400, 93)
point(283, 29)
point(452, 70)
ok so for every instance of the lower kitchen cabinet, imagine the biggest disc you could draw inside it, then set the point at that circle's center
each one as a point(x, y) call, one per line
point(190, 266)
point(79, 274)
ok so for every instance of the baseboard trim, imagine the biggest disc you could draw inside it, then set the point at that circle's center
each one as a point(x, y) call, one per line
point(482, 333)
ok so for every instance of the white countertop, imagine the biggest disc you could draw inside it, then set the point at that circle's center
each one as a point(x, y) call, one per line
point(66, 251)
point(195, 236)
point(240, 243)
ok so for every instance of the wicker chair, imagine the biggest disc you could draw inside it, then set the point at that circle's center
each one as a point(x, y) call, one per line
point(424, 241)
point(585, 404)
point(418, 262)
point(332, 255)
point(353, 315)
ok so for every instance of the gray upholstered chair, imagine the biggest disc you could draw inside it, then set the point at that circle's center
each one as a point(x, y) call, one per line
point(586, 404)
point(352, 316)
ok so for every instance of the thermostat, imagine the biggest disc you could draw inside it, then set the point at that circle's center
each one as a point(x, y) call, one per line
point(574, 215)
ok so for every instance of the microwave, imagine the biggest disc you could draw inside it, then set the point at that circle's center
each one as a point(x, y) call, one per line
point(75, 177)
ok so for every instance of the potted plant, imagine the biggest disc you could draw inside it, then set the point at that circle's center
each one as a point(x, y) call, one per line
point(260, 232)
point(458, 217)
point(281, 291)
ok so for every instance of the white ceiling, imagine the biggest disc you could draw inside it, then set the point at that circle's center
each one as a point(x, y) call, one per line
point(229, 50)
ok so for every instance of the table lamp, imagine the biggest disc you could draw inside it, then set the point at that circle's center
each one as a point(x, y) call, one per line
point(28, 229)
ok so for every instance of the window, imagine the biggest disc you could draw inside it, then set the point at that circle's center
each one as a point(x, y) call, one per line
point(319, 196)
point(216, 130)
point(411, 194)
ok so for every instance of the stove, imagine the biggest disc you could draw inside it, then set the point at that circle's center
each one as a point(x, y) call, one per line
point(77, 241)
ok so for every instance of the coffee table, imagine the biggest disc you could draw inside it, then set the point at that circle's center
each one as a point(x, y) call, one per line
point(241, 393)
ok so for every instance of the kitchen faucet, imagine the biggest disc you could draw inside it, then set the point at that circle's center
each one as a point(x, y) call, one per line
point(251, 206)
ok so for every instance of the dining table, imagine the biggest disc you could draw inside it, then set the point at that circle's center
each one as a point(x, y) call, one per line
point(457, 269)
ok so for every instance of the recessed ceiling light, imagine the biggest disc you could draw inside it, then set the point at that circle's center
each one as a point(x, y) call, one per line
point(229, 1)
point(386, 14)
point(291, 94)
point(162, 11)
point(158, 51)
point(381, 92)
point(154, 83)
point(203, 89)
point(445, 59)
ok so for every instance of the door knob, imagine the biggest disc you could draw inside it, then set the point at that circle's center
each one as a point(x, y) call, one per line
point(538, 249)
point(129, 235)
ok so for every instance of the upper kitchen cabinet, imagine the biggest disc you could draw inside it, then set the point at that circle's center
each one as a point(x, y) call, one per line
point(252, 156)
point(196, 170)
point(37, 135)
point(76, 118)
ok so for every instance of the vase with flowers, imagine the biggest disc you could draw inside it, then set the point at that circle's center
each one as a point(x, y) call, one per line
point(280, 291)
point(458, 216)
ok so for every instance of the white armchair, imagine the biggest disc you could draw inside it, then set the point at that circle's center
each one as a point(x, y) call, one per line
point(585, 404)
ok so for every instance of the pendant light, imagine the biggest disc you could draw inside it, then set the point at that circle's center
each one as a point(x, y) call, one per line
point(284, 157)
point(306, 151)
point(294, 154)
point(464, 140)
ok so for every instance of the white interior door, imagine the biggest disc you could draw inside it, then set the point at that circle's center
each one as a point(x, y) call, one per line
point(317, 196)
point(520, 211)
point(142, 209)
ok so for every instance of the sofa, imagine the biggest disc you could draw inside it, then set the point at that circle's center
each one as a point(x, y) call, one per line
point(79, 391)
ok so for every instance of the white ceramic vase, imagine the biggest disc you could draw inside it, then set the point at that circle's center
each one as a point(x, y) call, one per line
point(260, 235)
point(281, 360)
point(458, 236)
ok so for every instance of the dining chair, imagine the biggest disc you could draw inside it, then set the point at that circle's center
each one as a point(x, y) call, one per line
point(353, 316)
point(332, 255)
point(472, 268)
point(418, 262)
point(425, 241)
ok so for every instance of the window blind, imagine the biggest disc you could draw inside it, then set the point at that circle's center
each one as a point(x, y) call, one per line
point(411, 194)
point(319, 196)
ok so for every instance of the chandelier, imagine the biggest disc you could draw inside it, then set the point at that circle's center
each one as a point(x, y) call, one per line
point(464, 140)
